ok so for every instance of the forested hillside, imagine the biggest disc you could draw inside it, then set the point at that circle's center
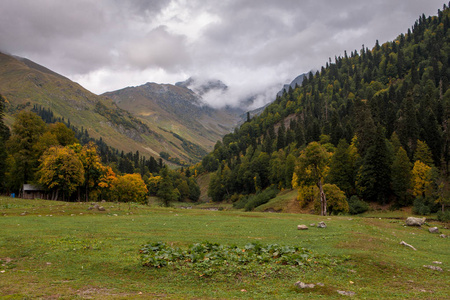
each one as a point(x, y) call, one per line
point(380, 118)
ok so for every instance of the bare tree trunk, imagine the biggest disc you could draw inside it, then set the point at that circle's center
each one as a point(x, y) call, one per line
point(323, 199)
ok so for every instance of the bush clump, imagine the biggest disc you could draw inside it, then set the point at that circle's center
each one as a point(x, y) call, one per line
point(357, 206)
point(249, 202)
point(444, 216)
point(420, 207)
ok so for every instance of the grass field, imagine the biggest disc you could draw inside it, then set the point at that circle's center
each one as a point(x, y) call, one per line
point(58, 250)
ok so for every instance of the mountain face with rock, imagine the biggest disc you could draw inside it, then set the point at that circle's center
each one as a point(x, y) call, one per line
point(178, 111)
point(152, 118)
point(26, 84)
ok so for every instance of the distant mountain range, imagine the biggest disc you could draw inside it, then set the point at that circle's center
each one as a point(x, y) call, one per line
point(151, 118)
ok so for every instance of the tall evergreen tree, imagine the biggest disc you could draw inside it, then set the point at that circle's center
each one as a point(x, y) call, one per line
point(342, 170)
point(26, 131)
point(374, 176)
point(401, 177)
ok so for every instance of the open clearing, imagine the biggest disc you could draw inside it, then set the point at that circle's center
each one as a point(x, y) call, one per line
point(59, 250)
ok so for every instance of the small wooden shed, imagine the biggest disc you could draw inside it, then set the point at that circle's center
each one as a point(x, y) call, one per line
point(31, 191)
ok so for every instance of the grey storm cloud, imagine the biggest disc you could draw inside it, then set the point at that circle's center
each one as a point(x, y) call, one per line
point(254, 46)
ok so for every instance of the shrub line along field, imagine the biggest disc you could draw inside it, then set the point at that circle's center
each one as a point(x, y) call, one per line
point(51, 249)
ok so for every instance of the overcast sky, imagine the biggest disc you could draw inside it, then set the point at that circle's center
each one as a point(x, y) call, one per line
point(253, 46)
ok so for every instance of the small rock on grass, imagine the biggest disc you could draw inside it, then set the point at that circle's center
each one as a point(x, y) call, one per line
point(302, 227)
point(443, 236)
point(412, 221)
point(302, 285)
point(435, 268)
point(322, 225)
point(345, 293)
point(433, 230)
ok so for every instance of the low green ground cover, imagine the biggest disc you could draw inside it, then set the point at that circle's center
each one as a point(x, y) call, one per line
point(51, 249)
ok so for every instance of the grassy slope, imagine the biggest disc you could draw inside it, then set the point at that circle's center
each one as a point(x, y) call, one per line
point(167, 108)
point(24, 83)
point(62, 250)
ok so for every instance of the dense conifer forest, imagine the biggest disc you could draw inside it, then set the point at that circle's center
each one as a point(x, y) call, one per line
point(380, 114)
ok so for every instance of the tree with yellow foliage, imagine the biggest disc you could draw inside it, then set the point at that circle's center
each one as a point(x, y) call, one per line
point(422, 179)
point(61, 170)
point(129, 188)
point(106, 181)
point(312, 169)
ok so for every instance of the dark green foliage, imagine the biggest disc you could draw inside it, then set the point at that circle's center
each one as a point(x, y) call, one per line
point(357, 206)
point(400, 86)
point(420, 207)
point(260, 198)
point(401, 177)
point(166, 190)
point(206, 259)
point(342, 169)
point(444, 216)
point(374, 177)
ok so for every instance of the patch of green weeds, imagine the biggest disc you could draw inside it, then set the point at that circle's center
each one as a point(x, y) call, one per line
point(207, 259)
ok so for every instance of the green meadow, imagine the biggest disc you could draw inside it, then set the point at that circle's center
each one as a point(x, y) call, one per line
point(60, 250)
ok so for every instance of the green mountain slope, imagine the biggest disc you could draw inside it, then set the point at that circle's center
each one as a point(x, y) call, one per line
point(176, 111)
point(182, 131)
point(25, 84)
point(399, 87)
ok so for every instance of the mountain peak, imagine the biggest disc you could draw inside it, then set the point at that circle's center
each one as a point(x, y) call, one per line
point(202, 86)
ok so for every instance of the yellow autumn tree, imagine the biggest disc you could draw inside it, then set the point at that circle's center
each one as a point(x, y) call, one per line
point(92, 168)
point(422, 179)
point(106, 181)
point(61, 171)
point(129, 188)
point(153, 183)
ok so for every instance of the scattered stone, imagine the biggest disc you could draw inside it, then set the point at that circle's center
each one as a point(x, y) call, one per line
point(352, 271)
point(243, 290)
point(24, 213)
point(433, 230)
point(435, 268)
point(320, 284)
point(101, 208)
point(302, 227)
point(2, 271)
point(90, 208)
point(48, 263)
point(321, 225)
point(103, 201)
point(345, 293)
point(443, 236)
point(412, 221)
point(437, 262)
point(312, 225)
point(115, 215)
point(302, 285)
point(408, 245)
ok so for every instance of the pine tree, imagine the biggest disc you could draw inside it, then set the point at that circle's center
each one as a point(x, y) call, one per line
point(401, 177)
point(374, 176)
point(342, 172)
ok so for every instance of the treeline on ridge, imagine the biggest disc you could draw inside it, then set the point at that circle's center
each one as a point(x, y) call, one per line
point(380, 114)
point(71, 165)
